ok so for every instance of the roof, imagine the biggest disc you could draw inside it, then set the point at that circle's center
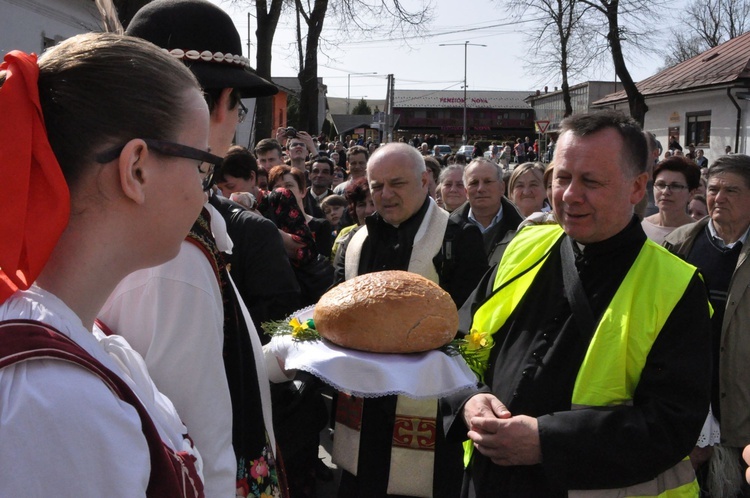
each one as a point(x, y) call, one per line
point(345, 123)
point(556, 92)
point(443, 99)
point(290, 84)
point(721, 65)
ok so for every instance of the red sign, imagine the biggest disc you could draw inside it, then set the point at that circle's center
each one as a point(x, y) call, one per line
point(542, 125)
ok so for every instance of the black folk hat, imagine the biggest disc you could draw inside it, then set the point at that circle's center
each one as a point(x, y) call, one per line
point(204, 37)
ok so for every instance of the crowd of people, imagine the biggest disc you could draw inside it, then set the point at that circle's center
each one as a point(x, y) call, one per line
point(604, 296)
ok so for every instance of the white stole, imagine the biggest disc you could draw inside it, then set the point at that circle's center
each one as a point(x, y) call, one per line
point(413, 445)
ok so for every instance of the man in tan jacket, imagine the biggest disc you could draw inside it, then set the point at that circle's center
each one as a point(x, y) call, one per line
point(717, 245)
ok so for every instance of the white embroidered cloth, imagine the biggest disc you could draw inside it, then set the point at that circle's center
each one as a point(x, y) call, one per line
point(370, 375)
point(711, 433)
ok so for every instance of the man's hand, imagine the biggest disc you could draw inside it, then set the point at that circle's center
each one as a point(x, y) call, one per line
point(305, 137)
point(484, 405)
point(281, 136)
point(746, 456)
point(504, 439)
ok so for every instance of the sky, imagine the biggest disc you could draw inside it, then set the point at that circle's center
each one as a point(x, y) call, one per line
point(421, 63)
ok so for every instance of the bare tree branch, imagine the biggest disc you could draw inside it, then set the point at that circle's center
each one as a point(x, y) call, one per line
point(628, 23)
point(683, 47)
point(553, 36)
point(714, 22)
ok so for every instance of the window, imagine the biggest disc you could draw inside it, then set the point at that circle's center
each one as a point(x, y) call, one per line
point(698, 128)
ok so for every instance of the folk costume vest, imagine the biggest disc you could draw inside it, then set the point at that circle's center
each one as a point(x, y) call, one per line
point(618, 350)
point(257, 470)
point(173, 473)
point(413, 444)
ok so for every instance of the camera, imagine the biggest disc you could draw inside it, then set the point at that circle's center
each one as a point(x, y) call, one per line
point(291, 132)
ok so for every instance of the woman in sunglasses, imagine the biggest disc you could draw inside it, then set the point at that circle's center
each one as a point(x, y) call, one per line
point(104, 146)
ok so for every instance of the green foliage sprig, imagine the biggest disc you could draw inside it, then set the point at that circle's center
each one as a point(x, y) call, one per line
point(300, 331)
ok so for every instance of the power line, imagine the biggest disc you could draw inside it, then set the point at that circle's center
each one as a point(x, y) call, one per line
point(431, 34)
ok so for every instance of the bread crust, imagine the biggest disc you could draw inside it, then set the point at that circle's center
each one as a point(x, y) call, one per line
point(387, 312)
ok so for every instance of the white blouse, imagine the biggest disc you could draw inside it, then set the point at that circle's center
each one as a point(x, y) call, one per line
point(62, 431)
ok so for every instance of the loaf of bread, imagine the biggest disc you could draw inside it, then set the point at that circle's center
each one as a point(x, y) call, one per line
point(387, 312)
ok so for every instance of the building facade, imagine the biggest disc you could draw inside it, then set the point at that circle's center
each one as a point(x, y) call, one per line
point(549, 106)
point(34, 25)
point(704, 100)
point(499, 116)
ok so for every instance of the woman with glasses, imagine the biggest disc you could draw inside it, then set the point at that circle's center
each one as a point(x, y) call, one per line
point(89, 197)
point(675, 181)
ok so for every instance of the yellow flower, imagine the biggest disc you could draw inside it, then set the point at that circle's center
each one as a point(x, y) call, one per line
point(477, 340)
point(298, 328)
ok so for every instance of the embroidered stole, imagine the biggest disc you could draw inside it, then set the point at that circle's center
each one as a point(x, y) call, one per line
point(414, 432)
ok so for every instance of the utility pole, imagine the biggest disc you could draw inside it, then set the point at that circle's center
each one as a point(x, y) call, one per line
point(388, 137)
point(248, 36)
point(466, 48)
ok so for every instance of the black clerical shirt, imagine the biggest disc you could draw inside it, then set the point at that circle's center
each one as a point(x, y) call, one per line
point(388, 247)
point(533, 369)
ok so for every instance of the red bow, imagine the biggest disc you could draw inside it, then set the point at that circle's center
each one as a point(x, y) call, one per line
point(34, 195)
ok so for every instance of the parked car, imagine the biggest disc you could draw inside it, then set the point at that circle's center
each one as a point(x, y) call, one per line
point(466, 150)
point(441, 150)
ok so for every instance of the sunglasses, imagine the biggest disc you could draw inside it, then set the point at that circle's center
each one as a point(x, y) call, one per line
point(173, 150)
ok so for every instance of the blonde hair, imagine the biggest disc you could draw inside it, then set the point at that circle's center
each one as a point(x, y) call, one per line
point(536, 167)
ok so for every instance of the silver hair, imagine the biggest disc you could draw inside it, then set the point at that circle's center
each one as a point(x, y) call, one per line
point(482, 160)
point(738, 164)
point(450, 169)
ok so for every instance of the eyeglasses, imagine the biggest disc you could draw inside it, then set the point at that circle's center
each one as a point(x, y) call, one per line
point(317, 171)
point(173, 150)
point(673, 187)
point(297, 144)
point(241, 112)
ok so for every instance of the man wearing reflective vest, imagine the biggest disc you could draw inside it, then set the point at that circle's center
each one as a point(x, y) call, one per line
point(592, 343)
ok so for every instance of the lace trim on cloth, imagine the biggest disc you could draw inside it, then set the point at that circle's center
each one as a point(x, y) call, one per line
point(711, 433)
point(372, 375)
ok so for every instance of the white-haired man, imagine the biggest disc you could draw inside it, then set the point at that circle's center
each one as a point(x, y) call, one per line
point(407, 232)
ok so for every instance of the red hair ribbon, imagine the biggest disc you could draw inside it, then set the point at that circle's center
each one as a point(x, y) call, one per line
point(33, 192)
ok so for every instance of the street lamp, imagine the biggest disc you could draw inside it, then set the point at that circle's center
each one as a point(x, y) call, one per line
point(349, 86)
point(466, 47)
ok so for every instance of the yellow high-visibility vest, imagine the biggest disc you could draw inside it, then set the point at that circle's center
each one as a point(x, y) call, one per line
point(621, 343)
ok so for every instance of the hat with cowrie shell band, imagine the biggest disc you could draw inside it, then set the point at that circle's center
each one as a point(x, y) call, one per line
point(203, 36)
